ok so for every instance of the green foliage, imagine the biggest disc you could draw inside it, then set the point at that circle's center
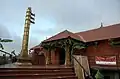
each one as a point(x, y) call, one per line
point(4, 40)
point(96, 43)
point(4, 58)
point(99, 75)
point(114, 42)
point(62, 44)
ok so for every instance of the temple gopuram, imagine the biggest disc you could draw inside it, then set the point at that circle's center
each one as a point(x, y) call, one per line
point(100, 46)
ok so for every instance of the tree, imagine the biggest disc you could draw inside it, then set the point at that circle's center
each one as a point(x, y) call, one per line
point(99, 75)
point(12, 55)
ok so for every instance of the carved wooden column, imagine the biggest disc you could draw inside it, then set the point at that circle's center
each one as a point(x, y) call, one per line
point(48, 59)
point(53, 58)
point(67, 55)
point(57, 56)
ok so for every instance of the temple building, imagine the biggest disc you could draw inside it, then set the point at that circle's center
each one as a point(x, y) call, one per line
point(101, 46)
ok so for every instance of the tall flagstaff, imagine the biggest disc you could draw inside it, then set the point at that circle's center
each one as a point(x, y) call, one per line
point(24, 57)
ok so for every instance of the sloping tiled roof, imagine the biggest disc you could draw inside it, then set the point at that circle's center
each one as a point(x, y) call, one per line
point(37, 47)
point(102, 33)
point(64, 34)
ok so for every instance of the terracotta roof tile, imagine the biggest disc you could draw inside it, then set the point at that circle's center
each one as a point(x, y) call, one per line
point(37, 47)
point(64, 34)
point(102, 33)
point(111, 31)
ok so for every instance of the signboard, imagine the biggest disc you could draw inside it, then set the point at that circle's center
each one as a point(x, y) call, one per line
point(105, 60)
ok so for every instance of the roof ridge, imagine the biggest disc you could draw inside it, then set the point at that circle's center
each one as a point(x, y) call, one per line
point(54, 35)
point(81, 38)
point(111, 25)
point(69, 32)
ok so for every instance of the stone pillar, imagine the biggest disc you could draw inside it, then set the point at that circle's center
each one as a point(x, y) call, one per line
point(67, 55)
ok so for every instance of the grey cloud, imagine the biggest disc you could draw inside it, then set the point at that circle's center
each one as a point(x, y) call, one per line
point(17, 40)
point(4, 33)
point(79, 14)
point(33, 42)
point(44, 32)
point(74, 15)
point(17, 44)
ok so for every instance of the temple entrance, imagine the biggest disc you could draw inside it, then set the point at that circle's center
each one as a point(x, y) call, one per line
point(62, 56)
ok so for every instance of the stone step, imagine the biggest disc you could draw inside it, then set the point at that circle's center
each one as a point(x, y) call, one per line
point(64, 77)
point(61, 68)
point(38, 73)
point(33, 71)
point(57, 77)
point(44, 75)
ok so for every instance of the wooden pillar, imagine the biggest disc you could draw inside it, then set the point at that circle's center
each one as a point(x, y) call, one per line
point(57, 56)
point(48, 60)
point(67, 55)
point(53, 57)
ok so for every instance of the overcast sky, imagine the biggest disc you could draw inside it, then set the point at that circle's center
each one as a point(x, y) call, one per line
point(54, 16)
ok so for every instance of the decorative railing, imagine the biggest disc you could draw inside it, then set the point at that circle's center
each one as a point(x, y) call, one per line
point(90, 77)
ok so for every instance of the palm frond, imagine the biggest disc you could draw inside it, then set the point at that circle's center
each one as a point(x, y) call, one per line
point(5, 52)
point(6, 40)
point(1, 46)
point(13, 52)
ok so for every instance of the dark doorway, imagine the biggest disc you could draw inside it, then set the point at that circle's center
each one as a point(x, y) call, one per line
point(106, 77)
point(62, 56)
